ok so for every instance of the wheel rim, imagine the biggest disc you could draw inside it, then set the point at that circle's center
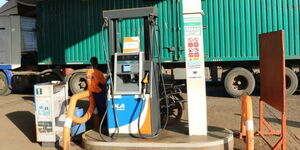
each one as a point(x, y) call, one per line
point(79, 84)
point(240, 83)
point(82, 84)
point(175, 113)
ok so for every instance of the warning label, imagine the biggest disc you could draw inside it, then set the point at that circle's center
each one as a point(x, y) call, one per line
point(193, 46)
point(193, 32)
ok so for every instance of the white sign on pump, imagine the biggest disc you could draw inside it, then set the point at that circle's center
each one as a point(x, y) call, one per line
point(195, 76)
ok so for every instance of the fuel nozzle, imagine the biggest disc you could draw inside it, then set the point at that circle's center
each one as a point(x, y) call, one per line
point(146, 79)
point(145, 83)
point(105, 21)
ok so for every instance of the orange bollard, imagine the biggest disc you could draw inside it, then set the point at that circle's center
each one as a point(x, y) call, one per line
point(243, 118)
point(247, 124)
point(70, 115)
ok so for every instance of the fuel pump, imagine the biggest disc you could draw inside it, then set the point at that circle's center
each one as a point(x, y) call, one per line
point(133, 101)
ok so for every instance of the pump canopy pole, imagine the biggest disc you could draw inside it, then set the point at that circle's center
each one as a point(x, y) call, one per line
point(195, 76)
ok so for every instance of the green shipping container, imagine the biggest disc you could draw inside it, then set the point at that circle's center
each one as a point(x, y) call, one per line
point(69, 31)
point(232, 27)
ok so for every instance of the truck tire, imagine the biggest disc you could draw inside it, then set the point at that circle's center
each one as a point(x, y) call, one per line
point(291, 81)
point(239, 81)
point(4, 88)
point(78, 83)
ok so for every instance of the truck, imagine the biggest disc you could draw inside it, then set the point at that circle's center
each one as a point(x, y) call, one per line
point(18, 50)
point(68, 33)
point(231, 33)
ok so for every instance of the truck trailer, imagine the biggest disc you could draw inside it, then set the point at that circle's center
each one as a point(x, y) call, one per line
point(18, 48)
point(69, 33)
point(231, 33)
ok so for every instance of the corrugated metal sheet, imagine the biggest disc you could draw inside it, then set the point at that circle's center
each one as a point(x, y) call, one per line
point(233, 27)
point(69, 31)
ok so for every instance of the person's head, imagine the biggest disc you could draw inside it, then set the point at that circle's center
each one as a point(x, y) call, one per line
point(94, 61)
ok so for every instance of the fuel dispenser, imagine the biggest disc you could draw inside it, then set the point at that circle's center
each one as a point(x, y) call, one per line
point(133, 99)
point(51, 100)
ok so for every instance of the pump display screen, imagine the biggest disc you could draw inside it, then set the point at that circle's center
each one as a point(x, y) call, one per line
point(127, 73)
point(126, 68)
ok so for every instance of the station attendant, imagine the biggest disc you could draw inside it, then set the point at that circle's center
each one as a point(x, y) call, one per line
point(97, 85)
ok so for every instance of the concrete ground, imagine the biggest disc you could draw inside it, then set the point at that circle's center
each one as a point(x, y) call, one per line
point(17, 126)
point(226, 112)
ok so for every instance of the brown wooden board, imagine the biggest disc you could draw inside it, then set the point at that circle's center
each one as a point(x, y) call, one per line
point(272, 69)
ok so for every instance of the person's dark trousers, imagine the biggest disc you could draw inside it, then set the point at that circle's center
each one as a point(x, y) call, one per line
point(100, 99)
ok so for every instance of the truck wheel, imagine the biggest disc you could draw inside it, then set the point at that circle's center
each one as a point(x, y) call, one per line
point(4, 89)
point(78, 83)
point(239, 81)
point(291, 82)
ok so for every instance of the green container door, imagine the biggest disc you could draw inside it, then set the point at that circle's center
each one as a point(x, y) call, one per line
point(232, 27)
point(69, 31)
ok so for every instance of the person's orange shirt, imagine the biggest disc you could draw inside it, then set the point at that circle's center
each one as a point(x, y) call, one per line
point(94, 78)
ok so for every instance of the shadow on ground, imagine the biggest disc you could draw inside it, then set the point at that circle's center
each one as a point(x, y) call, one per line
point(216, 91)
point(22, 91)
point(179, 127)
point(278, 121)
point(28, 98)
point(25, 122)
